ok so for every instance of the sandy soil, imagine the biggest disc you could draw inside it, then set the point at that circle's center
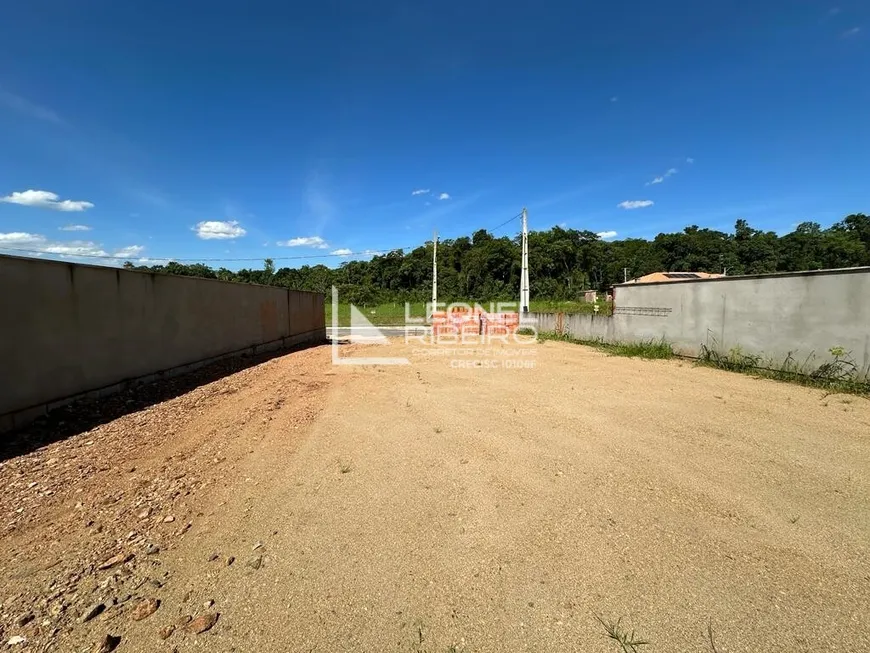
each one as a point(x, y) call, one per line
point(432, 507)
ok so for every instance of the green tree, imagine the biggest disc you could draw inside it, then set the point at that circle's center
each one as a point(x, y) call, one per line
point(563, 262)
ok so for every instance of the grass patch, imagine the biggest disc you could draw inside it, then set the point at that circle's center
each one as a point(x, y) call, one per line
point(653, 349)
point(379, 315)
point(550, 306)
point(838, 375)
point(650, 349)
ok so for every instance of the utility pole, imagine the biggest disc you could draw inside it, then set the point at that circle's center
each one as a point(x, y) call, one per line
point(524, 277)
point(624, 275)
point(434, 269)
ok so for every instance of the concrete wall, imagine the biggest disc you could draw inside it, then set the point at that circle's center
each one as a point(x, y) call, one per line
point(69, 329)
point(799, 314)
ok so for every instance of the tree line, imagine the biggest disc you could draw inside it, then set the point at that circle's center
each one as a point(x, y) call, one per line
point(562, 262)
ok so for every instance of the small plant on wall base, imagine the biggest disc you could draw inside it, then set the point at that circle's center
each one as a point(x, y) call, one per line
point(842, 368)
point(841, 374)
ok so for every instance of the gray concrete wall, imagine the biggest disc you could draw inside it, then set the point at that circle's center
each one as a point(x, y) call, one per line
point(799, 314)
point(69, 329)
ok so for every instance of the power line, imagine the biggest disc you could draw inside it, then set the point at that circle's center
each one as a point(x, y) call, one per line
point(497, 227)
point(157, 259)
point(518, 215)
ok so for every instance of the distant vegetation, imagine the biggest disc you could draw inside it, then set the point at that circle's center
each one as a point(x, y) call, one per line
point(563, 262)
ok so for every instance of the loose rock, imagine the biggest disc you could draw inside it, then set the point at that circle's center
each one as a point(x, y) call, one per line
point(144, 609)
point(152, 549)
point(184, 620)
point(256, 562)
point(166, 631)
point(202, 623)
point(24, 619)
point(92, 612)
point(109, 644)
point(231, 560)
point(168, 519)
point(16, 639)
point(116, 560)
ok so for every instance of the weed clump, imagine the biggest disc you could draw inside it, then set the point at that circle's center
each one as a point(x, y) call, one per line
point(650, 349)
point(839, 374)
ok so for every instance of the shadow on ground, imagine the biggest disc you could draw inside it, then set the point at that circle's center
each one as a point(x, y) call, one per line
point(84, 415)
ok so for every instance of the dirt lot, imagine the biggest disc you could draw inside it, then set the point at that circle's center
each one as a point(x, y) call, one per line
point(439, 508)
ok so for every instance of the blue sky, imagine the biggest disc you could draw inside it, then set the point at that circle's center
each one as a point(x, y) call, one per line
point(245, 130)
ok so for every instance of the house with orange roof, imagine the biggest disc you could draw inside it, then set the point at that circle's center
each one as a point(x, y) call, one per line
point(673, 276)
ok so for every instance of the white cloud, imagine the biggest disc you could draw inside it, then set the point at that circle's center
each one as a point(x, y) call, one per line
point(81, 248)
point(444, 196)
point(23, 105)
point(75, 227)
point(219, 229)
point(131, 251)
point(39, 244)
point(342, 252)
point(305, 241)
point(604, 235)
point(661, 178)
point(690, 160)
point(420, 191)
point(614, 99)
point(851, 32)
point(635, 204)
point(20, 238)
point(45, 200)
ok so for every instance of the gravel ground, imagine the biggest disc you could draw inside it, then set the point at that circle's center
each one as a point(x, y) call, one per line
point(434, 508)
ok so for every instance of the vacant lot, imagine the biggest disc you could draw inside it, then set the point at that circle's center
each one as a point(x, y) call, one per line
point(433, 507)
